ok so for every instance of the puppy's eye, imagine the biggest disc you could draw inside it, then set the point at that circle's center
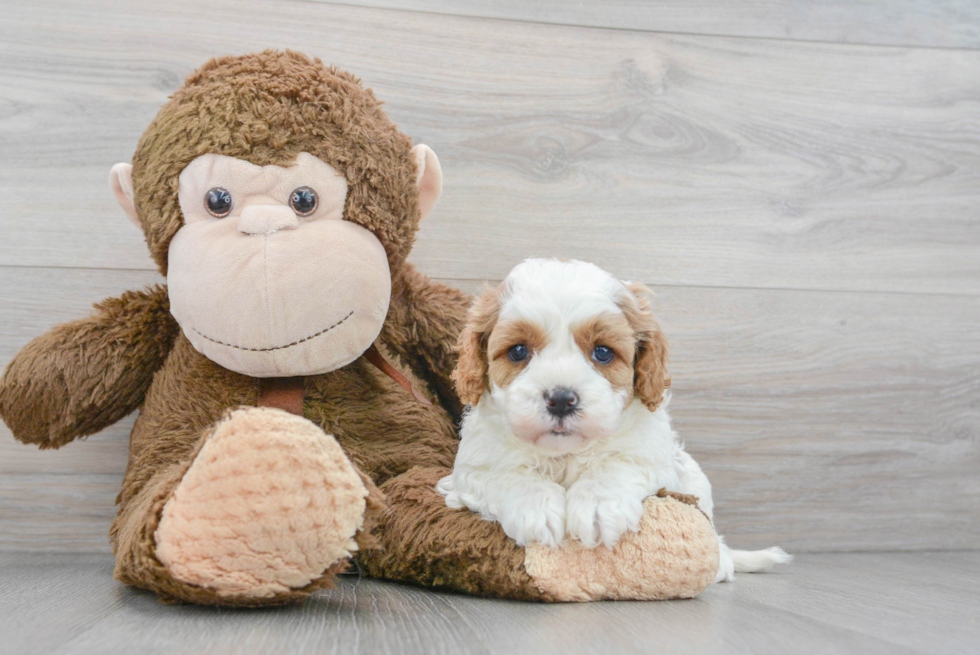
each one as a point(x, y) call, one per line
point(603, 354)
point(303, 200)
point(218, 202)
point(517, 353)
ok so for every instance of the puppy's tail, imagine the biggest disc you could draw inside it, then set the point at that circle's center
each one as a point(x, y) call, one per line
point(753, 561)
point(748, 561)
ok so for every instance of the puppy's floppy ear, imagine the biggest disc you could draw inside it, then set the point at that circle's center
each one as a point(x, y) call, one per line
point(470, 374)
point(650, 377)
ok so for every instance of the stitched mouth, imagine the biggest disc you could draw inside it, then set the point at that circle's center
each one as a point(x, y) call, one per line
point(288, 345)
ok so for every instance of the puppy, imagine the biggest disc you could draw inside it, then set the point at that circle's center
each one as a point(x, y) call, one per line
point(565, 372)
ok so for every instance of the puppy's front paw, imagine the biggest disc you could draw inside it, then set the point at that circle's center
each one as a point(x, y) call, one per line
point(538, 517)
point(595, 515)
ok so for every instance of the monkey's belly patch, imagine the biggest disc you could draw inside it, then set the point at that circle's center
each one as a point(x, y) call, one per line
point(288, 345)
point(269, 503)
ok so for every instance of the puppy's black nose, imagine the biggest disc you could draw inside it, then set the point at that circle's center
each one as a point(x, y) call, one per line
point(561, 401)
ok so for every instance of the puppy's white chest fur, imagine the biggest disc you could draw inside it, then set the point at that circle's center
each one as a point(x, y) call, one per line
point(592, 495)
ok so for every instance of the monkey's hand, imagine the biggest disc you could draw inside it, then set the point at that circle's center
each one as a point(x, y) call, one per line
point(424, 322)
point(83, 376)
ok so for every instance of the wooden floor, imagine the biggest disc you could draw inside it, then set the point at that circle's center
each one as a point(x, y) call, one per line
point(864, 603)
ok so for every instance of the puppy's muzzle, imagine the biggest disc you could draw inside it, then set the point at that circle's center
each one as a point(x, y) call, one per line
point(561, 402)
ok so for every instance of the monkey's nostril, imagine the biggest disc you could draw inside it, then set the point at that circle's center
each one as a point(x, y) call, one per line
point(266, 219)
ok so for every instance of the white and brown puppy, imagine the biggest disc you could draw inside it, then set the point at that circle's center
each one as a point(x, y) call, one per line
point(565, 372)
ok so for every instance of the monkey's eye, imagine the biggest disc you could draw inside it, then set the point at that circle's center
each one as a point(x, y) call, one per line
point(603, 354)
point(303, 201)
point(218, 202)
point(517, 353)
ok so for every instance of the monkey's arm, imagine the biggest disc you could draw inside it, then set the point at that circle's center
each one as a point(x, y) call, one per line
point(424, 322)
point(85, 375)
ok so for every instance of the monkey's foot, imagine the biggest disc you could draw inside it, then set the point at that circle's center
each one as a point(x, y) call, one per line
point(674, 555)
point(269, 505)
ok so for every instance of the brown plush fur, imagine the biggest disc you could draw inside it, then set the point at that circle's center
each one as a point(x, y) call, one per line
point(85, 375)
point(267, 108)
point(412, 327)
point(425, 542)
point(80, 377)
point(687, 499)
point(430, 544)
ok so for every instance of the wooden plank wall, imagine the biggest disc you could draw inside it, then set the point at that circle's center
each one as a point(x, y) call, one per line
point(798, 181)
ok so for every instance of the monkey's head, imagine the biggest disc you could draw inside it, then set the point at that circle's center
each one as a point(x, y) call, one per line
point(279, 201)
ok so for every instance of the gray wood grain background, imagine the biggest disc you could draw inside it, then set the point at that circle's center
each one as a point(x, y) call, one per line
point(798, 181)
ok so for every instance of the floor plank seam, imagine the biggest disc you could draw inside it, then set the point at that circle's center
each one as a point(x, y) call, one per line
point(706, 35)
point(493, 281)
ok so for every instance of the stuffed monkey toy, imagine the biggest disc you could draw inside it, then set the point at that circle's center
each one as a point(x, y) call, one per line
point(294, 375)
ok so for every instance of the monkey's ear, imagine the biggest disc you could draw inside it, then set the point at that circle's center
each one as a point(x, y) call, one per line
point(121, 183)
point(428, 178)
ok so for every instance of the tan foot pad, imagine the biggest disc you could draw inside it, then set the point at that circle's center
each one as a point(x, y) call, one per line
point(269, 503)
point(674, 555)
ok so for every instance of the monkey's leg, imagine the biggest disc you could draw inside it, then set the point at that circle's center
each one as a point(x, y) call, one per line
point(267, 509)
point(675, 554)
